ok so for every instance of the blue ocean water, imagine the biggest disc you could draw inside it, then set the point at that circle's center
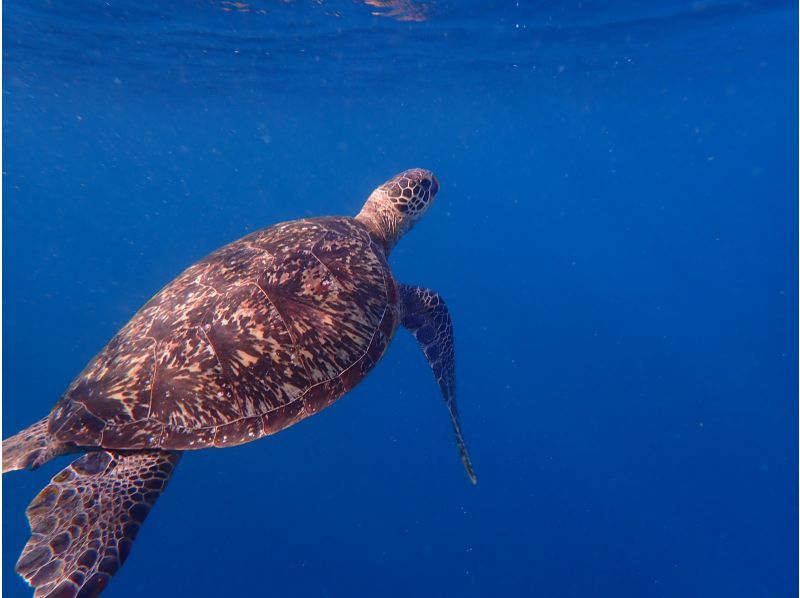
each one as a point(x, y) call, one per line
point(615, 235)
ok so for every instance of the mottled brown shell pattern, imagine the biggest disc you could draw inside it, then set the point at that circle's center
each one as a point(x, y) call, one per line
point(255, 337)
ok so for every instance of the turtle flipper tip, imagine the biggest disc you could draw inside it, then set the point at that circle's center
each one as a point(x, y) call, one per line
point(462, 451)
point(472, 477)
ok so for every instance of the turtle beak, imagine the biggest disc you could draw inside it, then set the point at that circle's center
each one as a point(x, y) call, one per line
point(434, 186)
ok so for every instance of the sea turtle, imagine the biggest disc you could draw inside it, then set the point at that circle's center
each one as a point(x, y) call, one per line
point(253, 338)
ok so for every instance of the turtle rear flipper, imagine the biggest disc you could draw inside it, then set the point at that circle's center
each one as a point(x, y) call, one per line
point(84, 522)
point(30, 448)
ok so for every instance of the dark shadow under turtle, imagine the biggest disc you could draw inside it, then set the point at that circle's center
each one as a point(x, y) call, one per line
point(260, 334)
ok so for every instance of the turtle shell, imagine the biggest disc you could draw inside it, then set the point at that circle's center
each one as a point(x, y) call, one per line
point(246, 342)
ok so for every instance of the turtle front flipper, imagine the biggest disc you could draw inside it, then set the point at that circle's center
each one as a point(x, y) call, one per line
point(425, 315)
point(84, 522)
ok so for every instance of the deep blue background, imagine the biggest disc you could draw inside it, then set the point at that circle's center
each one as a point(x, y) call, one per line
point(615, 235)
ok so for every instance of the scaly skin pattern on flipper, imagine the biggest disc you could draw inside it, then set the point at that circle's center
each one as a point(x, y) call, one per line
point(84, 522)
point(425, 315)
point(30, 448)
point(246, 342)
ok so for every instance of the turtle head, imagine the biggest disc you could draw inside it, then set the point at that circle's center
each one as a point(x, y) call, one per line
point(394, 207)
